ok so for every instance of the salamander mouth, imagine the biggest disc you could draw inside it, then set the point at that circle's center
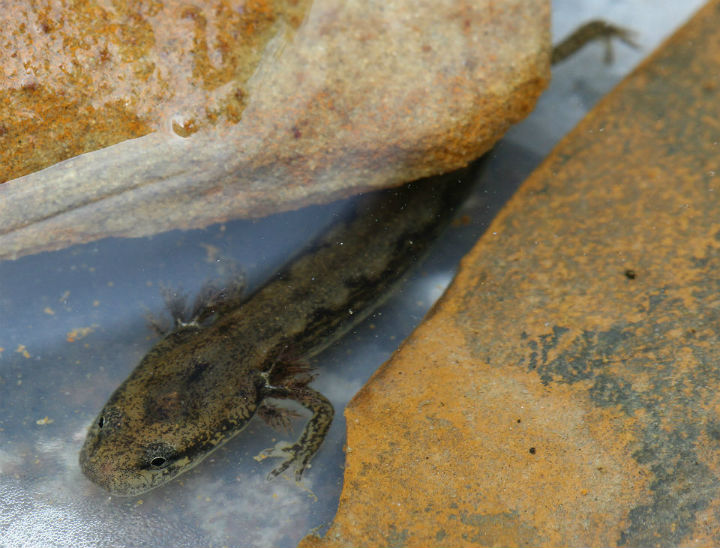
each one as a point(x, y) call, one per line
point(123, 482)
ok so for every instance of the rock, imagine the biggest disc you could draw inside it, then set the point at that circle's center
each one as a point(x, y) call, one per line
point(159, 115)
point(565, 390)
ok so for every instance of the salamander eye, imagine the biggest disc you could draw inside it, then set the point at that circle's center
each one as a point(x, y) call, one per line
point(158, 462)
point(110, 419)
point(158, 455)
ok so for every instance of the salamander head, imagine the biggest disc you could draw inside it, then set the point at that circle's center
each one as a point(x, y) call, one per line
point(165, 418)
point(126, 461)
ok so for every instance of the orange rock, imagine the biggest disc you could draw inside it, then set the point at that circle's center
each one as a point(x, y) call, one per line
point(80, 78)
point(565, 391)
point(242, 108)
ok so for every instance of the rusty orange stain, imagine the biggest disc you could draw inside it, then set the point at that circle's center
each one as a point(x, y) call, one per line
point(565, 391)
point(77, 78)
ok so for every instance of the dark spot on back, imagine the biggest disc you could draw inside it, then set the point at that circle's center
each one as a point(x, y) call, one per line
point(198, 371)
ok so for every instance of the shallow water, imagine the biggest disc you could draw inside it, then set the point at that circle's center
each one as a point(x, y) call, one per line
point(72, 327)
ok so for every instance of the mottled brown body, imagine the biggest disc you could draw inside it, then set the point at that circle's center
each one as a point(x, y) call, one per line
point(203, 382)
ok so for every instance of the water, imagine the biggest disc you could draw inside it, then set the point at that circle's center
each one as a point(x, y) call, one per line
point(72, 326)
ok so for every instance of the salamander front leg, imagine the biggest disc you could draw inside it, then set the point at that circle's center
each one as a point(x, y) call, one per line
point(299, 453)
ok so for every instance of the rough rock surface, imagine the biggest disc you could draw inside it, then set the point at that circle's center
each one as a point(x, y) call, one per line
point(565, 391)
point(241, 108)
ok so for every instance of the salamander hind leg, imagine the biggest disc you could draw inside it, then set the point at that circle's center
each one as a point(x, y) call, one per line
point(590, 32)
point(304, 449)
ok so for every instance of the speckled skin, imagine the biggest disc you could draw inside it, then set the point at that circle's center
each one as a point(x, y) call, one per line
point(203, 382)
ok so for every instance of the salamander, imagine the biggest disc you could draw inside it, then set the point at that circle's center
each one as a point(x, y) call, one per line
point(205, 379)
point(208, 376)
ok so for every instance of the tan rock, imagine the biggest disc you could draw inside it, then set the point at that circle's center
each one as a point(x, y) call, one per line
point(184, 115)
point(565, 391)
